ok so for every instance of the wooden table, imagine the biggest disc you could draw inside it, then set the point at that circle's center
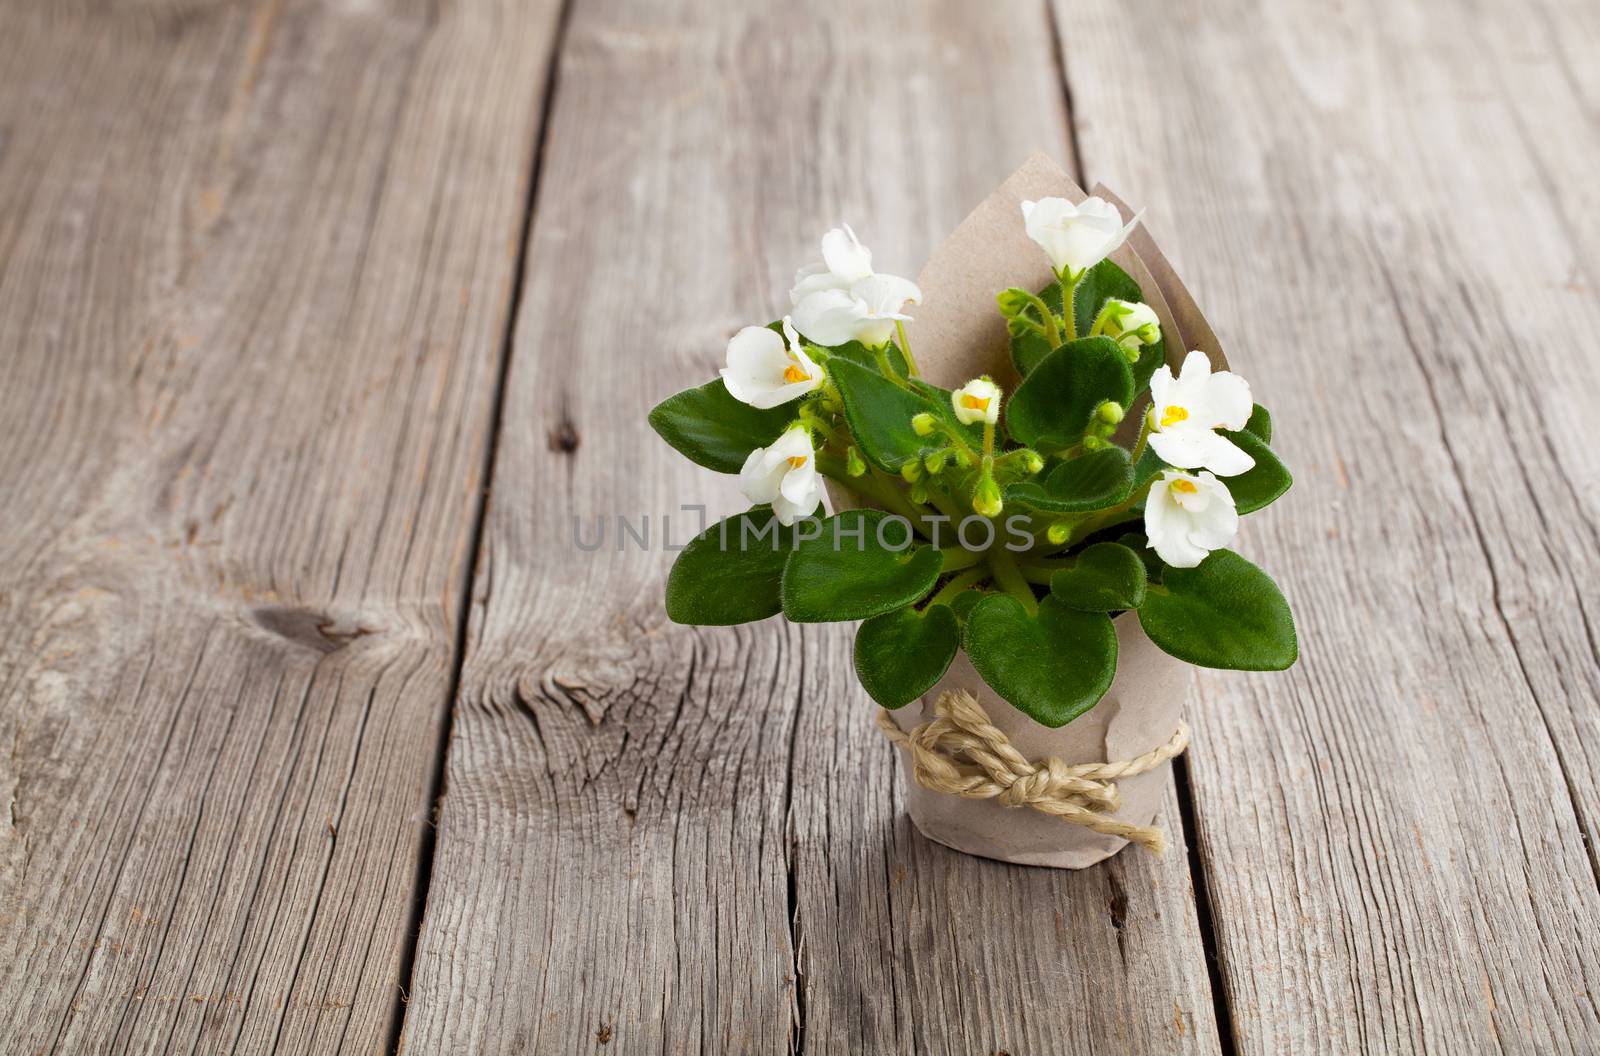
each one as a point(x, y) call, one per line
point(319, 322)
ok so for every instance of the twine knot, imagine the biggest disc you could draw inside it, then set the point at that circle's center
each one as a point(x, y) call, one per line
point(960, 752)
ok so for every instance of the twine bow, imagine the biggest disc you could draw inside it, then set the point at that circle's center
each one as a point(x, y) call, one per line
point(962, 753)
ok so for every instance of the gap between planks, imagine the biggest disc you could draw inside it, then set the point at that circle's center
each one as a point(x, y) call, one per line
point(436, 785)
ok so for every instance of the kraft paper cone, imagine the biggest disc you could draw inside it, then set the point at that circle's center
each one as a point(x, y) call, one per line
point(959, 334)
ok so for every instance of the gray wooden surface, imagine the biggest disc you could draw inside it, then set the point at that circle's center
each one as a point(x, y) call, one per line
point(319, 322)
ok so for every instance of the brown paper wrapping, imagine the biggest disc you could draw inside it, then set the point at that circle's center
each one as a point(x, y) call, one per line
point(957, 335)
point(1139, 712)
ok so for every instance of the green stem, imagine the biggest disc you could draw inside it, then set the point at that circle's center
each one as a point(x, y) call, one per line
point(969, 578)
point(881, 354)
point(1052, 331)
point(1069, 314)
point(1037, 574)
point(1144, 436)
point(905, 348)
point(958, 557)
point(1010, 578)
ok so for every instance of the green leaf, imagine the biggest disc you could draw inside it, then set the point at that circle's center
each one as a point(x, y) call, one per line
point(1263, 482)
point(732, 572)
point(711, 428)
point(848, 573)
point(900, 655)
point(1260, 424)
point(1092, 481)
point(879, 413)
point(856, 352)
point(1108, 577)
point(1053, 666)
point(1104, 281)
point(1055, 401)
point(1224, 613)
point(962, 603)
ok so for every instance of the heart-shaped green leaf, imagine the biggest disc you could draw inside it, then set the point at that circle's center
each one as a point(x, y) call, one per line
point(879, 413)
point(1260, 423)
point(732, 572)
point(1108, 577)
point(1052, 666)
point(1055, 401)
point(1104, 281)
point(1263, 482)
point(1225, 612)
point(900, 655)
point(1091, 481)
point(711, 428)
point(856, 568)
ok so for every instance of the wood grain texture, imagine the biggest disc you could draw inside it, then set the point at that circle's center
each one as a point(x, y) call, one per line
point(1387, 210)
point(658, 838)
point(256, 264)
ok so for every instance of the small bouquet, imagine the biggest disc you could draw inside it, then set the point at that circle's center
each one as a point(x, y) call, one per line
point(1069, 497)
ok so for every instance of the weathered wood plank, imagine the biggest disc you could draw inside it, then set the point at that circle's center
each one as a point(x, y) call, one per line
point(1383, 207)
point(635, 811)
point(256, 265)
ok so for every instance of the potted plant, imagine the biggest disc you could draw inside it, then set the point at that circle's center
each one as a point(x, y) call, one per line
point(1034, 503)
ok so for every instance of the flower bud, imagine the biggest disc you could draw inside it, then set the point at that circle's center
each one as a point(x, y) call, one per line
point(923, 424)
point(986, 500)
point(1013, 302)
point(934, 463)
point(911, 471)
point(1031, 462)
point(1110, 412)
point(963, 459)
point(919, 492)
point(1058, 532)
point(853, 464)
point(977, 401)
point(1093, 443)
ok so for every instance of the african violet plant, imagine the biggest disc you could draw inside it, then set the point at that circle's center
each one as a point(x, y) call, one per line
point(1014, 527)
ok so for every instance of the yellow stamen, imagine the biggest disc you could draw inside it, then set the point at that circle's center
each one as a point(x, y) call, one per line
point(1185, 486)
point(796, 461)
point(976, 403)
point(793, 373)
point(1173, 415)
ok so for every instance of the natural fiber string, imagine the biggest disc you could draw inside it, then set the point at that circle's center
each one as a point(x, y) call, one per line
point(962, 753)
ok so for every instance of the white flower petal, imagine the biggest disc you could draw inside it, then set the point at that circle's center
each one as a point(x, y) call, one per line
point(1228, 402)
point(829, 318)
point(1161, 387)
point(814, 278)
point(844, 254)
point(1184, 448)
point(1222, 456)
point(886, 295)
point(757, 479)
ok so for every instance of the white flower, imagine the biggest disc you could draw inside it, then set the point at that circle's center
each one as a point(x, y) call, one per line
point(1131, 325)
point(784, 474)
point(1076, 237)
point(1185, 412)
point(844, 261)
point(763, 373)
point(977, 401)
point(865, 312)
point(841, 299)
point(1188, 516)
